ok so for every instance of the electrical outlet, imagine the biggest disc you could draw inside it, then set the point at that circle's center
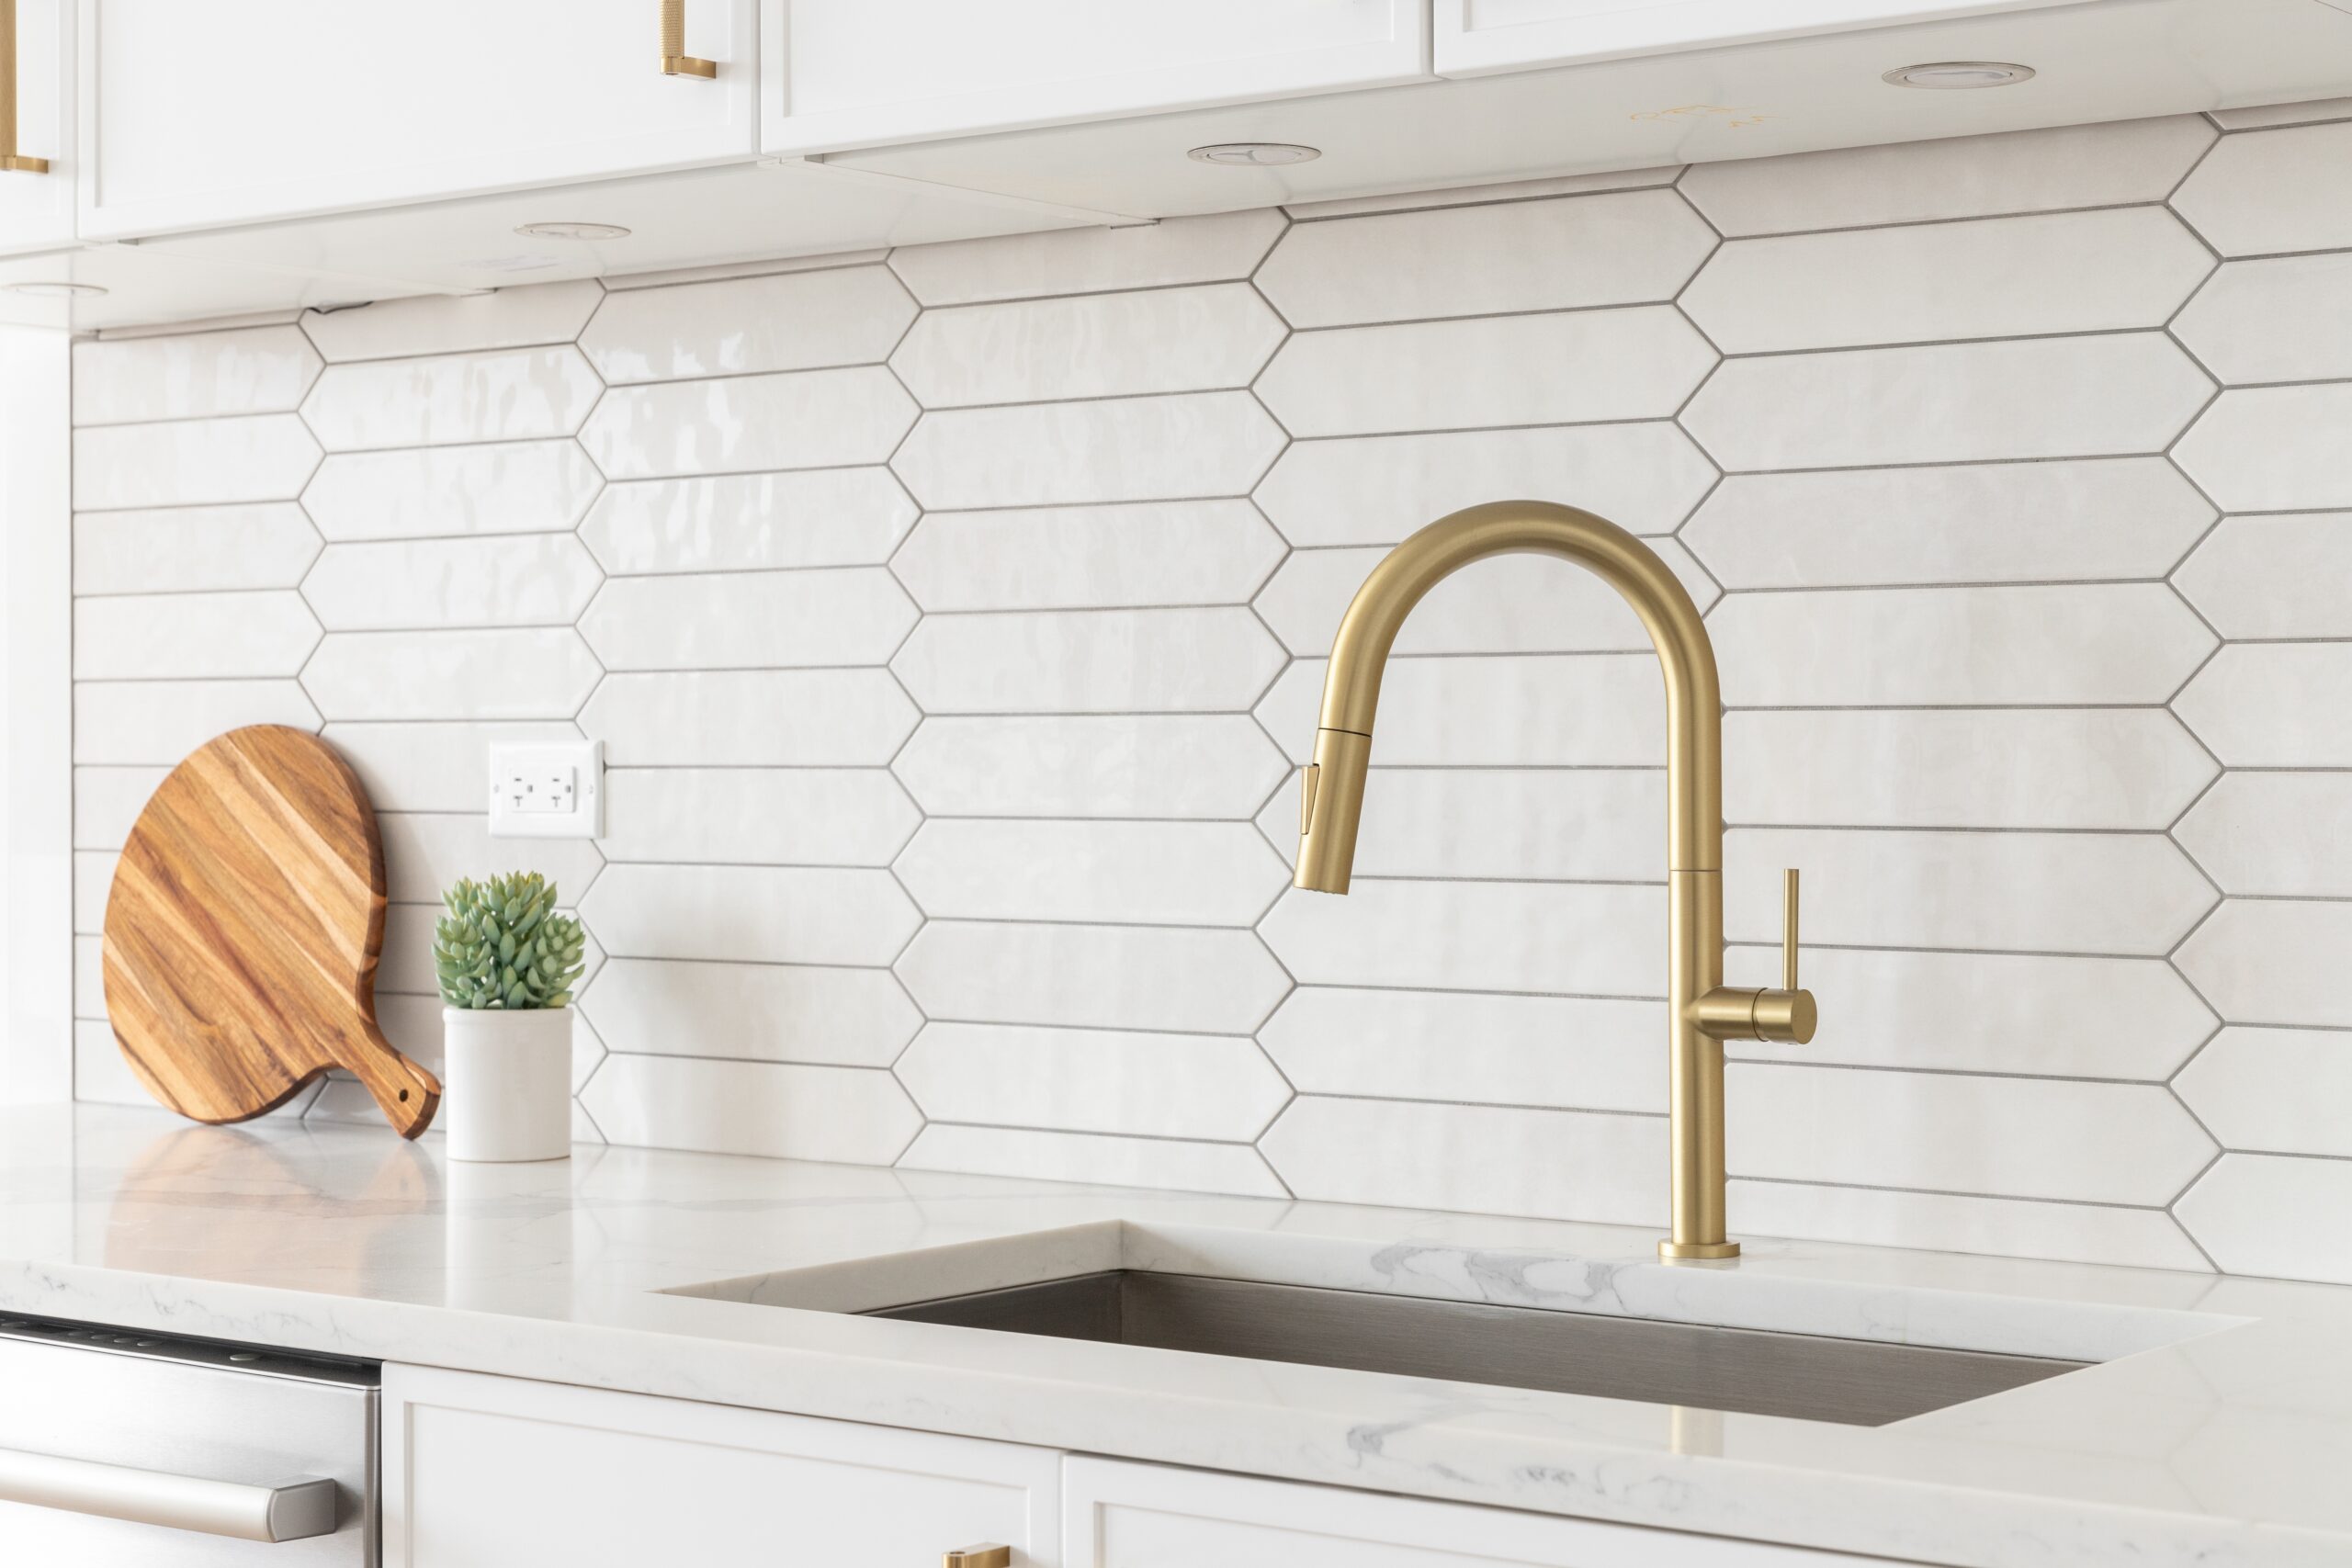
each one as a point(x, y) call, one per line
point(546, 790)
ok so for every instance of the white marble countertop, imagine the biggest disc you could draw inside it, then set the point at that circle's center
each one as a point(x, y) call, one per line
point(2218, 1430)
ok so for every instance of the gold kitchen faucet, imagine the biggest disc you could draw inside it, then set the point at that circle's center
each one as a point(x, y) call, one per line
point(1701, 1012)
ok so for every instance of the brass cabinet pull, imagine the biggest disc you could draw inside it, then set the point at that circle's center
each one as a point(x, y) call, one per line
point(979, 1557)
point(675, 61)
point(12, 161)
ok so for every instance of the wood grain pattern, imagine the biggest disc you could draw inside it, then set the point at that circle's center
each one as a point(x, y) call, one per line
point(243, 931)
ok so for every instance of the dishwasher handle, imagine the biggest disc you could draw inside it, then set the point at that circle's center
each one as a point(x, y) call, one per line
point(291, 1510)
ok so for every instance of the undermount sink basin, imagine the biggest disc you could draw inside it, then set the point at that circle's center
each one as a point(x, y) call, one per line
point(1859, 1383)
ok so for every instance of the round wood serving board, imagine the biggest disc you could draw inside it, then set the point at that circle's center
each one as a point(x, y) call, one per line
point(243, 931)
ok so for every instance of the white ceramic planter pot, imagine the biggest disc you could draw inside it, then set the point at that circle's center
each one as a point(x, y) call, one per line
point(508, 1077)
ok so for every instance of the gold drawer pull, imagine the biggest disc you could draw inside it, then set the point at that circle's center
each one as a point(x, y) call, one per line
point(12, 161)
point(675, 61)
point(979, 1557)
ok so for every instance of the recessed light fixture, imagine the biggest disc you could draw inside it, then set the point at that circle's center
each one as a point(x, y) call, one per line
point(572, 232)
point(44, 288)
point(1254, 154)
point(1959, 75)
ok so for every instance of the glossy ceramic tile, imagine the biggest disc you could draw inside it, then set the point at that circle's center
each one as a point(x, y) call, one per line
point(2285, 834)
point(1089, 345)
point(427, 853)
point(2071, 272)
point(2108, 518)
point(1200, 552)
point(1589, 710)
point(2272, 960)
point(786, 1110)
point(2235, 198)
point(790, 321)
point(511, 318)
point(1376, 489)
point(756, 815)
point(2233, 1087)
point(2272, 448)
point(184, 636)
point(544, 672)
point(521, 487)
point(2284, 319)
point(520, 579)
point(750, 914)
point(1558, 938)
point(1089, 661)
point(2106, 767)
point(181, 550)
point(2121, 643)
point(806, 419)
point(1511, 824)
point(193, 462)
point(749, 522)
point(1468, 1047)
point(1073, 765)
point(194, 376)
point(1968, 177)
point(1188, 980)
point(1950, 1133)
point(1145, 448)
point(2272, 577)
point(2253, 705)
point(2038, 398)
point(1170, 1164)
point(1575, 366)
point(2025, 1014)
point(751, 718)
point(772, 1012)
point(512, 395)
point(1522, 255)
point(107, 801)
point(1163, 873)
point(2247, 1213)
point(1088, 261)
point(1160, 1086)
point(1949, 1222)
point(1481, 1158)
point(748, 620)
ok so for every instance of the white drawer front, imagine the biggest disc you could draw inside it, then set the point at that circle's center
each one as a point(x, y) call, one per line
point(498, 1472)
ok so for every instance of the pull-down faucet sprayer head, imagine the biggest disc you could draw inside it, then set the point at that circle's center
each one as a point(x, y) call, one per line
point(1330, 804)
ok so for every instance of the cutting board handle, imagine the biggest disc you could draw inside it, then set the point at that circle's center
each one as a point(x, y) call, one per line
point(405, 1092)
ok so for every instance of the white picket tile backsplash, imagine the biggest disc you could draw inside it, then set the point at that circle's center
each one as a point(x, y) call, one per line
point(954, 620)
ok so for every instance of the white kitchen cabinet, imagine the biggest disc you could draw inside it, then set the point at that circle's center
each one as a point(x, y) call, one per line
point(232, 111)
point(1118, 1515)
point(863, 73)
point(1474, 36)
point(37, 61)
point(497, 1472)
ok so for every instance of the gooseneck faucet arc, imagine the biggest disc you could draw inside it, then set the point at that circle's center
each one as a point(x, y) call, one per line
point(1701, 1012)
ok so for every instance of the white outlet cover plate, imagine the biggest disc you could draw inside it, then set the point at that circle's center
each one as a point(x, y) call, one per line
point(546, 790)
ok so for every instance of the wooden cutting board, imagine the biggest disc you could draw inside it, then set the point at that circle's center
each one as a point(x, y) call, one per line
point(243, 931)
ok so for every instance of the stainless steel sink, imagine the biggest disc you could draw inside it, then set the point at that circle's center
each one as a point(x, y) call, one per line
point(1860, 1382)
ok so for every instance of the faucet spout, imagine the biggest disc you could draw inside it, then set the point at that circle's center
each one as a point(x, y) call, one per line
point(1702, 1013)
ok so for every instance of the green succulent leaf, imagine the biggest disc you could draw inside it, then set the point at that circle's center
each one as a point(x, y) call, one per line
point(501, 944)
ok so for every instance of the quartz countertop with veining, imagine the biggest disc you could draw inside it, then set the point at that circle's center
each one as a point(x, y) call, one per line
point(2217, 1430)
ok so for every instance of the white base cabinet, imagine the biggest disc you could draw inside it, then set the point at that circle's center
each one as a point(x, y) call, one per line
point(1118, 1515)
point(1474, 36)
point(498, 1472)
point(486, 1471)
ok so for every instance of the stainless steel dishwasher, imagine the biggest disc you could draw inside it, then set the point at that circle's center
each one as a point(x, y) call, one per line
point(143, 1450)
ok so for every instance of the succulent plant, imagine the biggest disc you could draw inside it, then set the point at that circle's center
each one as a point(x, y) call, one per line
point(502, 945)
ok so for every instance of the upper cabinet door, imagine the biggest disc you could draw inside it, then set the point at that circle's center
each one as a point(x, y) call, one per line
point(1475, 37)
point(199, 113)
point(35, 125)
point(863, 73)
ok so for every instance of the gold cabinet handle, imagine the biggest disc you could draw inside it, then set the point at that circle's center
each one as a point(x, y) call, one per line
point(979, 1557)
point(12, 161)
point(675, 61)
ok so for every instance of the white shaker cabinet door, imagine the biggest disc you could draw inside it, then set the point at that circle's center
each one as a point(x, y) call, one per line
point(1475, 37)
point(37, 205)
point(1118, 1515)
point(501, 1472)
point(864, 72)
point(201, 113)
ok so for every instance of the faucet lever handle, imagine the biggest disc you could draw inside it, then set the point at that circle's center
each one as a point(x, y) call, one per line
point(1789, 929)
